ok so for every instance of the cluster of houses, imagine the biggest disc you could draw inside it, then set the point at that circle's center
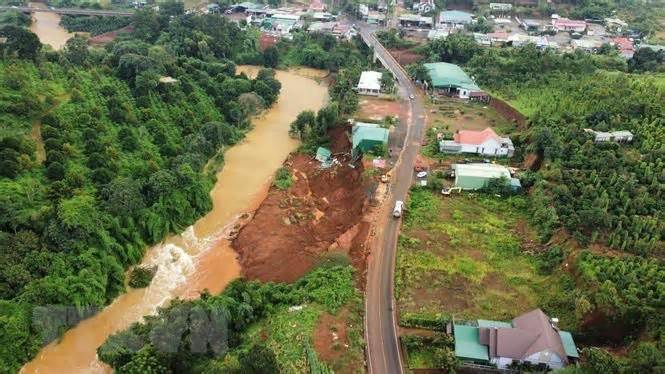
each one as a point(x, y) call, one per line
point(282, 21)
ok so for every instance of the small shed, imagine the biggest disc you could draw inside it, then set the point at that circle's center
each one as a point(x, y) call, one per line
point(476, 176)
point(367, 136)
point(323, 154)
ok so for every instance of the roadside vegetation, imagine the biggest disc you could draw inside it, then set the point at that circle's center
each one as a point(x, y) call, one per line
point(250, 327)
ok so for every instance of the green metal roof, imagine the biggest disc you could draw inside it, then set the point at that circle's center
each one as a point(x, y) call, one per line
point(368, 133)
point(568, 344)
point(467, 343)
point(444, 74)
point(323, 154)
point(497, 324)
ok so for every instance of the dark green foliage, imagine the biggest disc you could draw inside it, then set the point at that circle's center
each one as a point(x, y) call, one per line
point(124, 158)
point(312, 129)
point(283, 178)
point(95, 25)
point(458, 48)
point(15, 18)
point(21, 42)
point(190, 334)
point(271, 57)
point(609, 192)
point(141, 276)
point(321, 51)
point(646, 59)
point(392, 39)
point(258, 359)
point(550, 259)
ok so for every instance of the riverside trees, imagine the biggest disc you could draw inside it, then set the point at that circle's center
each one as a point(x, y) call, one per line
point(123, 157)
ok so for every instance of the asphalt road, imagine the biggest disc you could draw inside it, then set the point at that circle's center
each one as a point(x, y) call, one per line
point(383, 353)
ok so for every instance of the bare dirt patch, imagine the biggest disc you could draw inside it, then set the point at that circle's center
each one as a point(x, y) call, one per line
point(405, 56)
point(330, 336)
point(377, 109)
point(454, 114)
point(293, 229)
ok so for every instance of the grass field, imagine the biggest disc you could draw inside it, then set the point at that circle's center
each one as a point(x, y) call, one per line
point(464, 256)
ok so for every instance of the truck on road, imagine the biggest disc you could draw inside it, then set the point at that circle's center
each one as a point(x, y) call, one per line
point(399, 206)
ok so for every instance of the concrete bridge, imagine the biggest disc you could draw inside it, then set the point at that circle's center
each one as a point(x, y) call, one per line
point(70, 11)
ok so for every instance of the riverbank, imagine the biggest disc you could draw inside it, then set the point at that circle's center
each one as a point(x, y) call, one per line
point(319, 216)
point(46, 26)
point(201, 257)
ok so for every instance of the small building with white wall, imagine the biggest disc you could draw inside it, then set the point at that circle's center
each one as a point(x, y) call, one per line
point(485, 143)
point(369, 83)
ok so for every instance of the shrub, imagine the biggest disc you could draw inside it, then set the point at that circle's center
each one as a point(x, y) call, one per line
point(283, 178)
point(141, 276)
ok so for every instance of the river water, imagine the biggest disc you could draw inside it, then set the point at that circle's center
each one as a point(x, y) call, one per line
point(46, 26)
point(199, 258)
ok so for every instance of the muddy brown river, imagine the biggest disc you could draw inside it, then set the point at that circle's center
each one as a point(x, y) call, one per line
point(201, 257)
point(47, 27)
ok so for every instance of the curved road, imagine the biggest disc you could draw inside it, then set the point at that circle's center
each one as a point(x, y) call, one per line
point(383, 353)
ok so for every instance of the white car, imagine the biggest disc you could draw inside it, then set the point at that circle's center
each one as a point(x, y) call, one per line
point(422, 174)
point(399, 205)
point(411, 97)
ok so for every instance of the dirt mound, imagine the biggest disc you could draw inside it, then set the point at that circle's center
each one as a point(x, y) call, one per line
point(405, 56)
point(293, 228)
point(110, 36)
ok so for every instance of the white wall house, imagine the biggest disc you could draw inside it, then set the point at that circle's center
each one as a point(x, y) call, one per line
point(486, 143)
point(622, 136)
point(369, 83)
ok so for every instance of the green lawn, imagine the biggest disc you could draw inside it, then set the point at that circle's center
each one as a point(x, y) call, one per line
point(463, 256)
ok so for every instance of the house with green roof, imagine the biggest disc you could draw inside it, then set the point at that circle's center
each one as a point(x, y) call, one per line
point(532, 337)
point(365, 137)
point(451, 80)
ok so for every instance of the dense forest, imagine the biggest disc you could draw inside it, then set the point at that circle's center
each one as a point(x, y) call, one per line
point(101, 157)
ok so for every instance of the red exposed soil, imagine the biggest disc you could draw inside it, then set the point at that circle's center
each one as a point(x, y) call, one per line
point(108, 37)
point(322, 211)
point(508, 112)
point(267, 40)
point(330, 337)
point(405, 56)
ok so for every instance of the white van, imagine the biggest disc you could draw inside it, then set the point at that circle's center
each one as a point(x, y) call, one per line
point(399, 205)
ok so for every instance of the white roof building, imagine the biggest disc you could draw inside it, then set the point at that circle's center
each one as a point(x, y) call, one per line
point(369, 83)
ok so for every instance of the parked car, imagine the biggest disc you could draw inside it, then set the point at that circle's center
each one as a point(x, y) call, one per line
point(397, 211)
point(422, 174)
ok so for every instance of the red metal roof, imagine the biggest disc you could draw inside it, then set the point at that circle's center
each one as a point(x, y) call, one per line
point(475, 137)
point(624, 44)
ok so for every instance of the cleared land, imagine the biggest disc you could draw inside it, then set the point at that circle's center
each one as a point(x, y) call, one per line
point(452, 115)
point(464, 256)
